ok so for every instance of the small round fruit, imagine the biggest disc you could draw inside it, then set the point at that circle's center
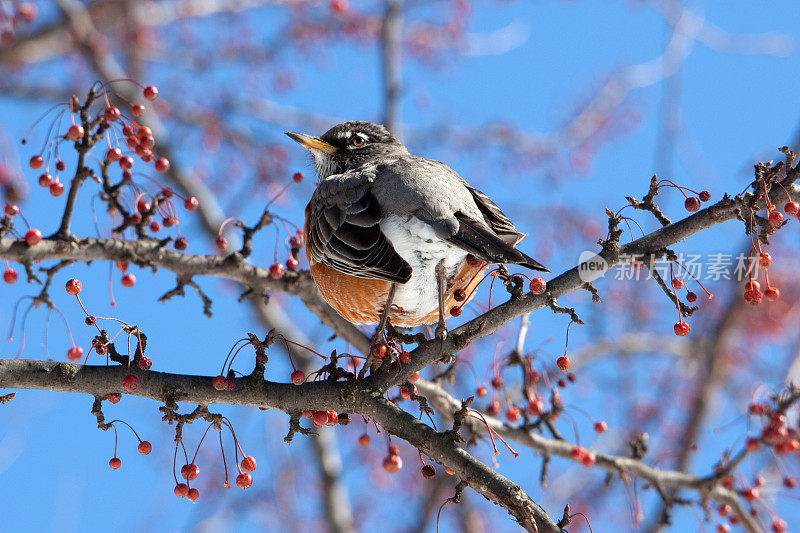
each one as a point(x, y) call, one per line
point(775, 219)
point(191, 203)
point(75, 353)
point(181, 243)
point(563, 363)
point(113, 154)
point(297, 177)
point(130, 382)
point(764, 260)
point(455, 310)
point(276, 271)
point(219, 382)
point(392, 463)
point(428, 471)
point(56, 189)
point(75, 132)
point(379, 351)
point(704, 196)
point(298, 377)
point(364, 440)
point(115, 463)
point(772, 294)
point(244, 480)
point(181, 490)
point(677, 284)
point(691, 297)
point(10, 275)
point(459, 295)
point(162, 164)
point(45, 180)
point(11, 210)
point(320, 418)
point(150, 92)
point(292, 264)
point(144, 447)
point(36, 162)
point(791, 208)
point(193, 494)
point(681, 329)
point(600, 427)
point(537, 285)
point(248, 463)
point(692, 204)
point(128, 280)
point(221, 244)
point(73, 287)
point(190, 471)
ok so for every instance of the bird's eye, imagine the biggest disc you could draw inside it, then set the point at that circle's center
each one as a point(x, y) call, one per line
point(357, 141)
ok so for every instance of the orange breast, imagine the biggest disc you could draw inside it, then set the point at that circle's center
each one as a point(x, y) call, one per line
point(361, 301)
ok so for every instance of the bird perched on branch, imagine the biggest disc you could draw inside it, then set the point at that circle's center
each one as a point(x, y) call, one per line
point(392, 236)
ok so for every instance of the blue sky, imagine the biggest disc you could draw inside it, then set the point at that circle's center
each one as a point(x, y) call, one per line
point(735, 108)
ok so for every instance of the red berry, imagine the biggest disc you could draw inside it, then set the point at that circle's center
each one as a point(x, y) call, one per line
point(248, 463)
point(413, 377)
point(563, 363)
point(772, 294)
point(57, 189)
point(10, 275)
point(379, 351)
point(75, 353)
point(497, 382)
point(181, 490)
point(363, 440)
point(588, 459)
point(45, 180)
point(778, 525)
point(292, 264)
point(130, 382)
point(126, 163)
point(221, 244)
point(144, 447)
point(137, 110)
point(749, 494)
point(764, 260)
point(392, 463)
point(162, 164)
point(480, 392)
point(181, 243)
point(681, 329)
point(600, 427)
point(333, 417)
point(404, 357)
point(428, 471)
point(752, 285)
point(276, 271)
point(128, 281)
point(60, 165)
point(219, 382)
point(494, 408)
point(455, 310)
point(692, 204)
point(753, 297)
point(295, 242)
point(101, 349)
point(752, 444)
point(122, 265)
point(297, 177)
point(512, 414)
point(115, 463)
point(170, 221)
point(193, 494)
point(677, 284)
point(705, 196)
point(775, 219)
point(244, 480)
point(298, 377)
point(190, 471)
point(36, 162)
point(691, 297)
point(111, 114)
point(459, 295)
point(191, 203)
point(145, 363)
point(150, 92)
point(73, 287)
point(11, 210)
point(143, 206)
point(320, 418)
point(537, 285)
point(791, 208)
point(75, 132)
point(155, 227)
point(394, 449)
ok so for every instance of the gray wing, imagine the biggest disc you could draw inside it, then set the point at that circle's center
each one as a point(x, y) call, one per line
point(460, 214)
point(344, 230)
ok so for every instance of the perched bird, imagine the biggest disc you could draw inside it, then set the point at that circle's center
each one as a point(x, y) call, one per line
point(392, 236)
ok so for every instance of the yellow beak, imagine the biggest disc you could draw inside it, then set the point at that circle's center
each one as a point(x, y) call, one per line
point(311, 143)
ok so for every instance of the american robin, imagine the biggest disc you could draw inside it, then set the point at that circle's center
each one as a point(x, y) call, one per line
point(392, 236)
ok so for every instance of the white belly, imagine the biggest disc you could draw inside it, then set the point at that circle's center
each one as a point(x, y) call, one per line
point(416, 242)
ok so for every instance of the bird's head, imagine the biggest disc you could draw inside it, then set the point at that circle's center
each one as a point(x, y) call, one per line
point(348, 145)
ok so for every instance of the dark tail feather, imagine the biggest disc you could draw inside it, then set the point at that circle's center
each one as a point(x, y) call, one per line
point(484, 244)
